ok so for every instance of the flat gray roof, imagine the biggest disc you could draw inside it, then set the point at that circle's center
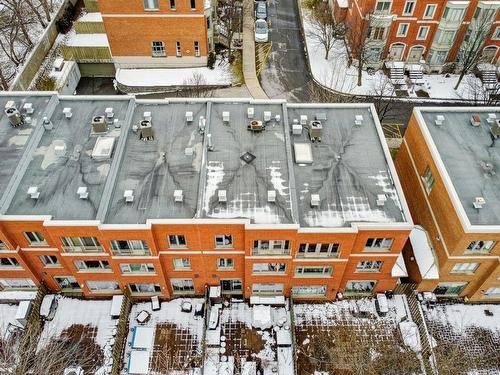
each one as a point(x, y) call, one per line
point(247, 183)
point(349, 171)
point(470, 159)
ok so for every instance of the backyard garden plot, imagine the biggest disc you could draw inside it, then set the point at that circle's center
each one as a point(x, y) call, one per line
point(466, 337)
point(351, 336)
point(169, 338)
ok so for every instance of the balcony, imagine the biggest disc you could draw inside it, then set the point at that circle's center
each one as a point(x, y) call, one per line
point(270, 252)
point(83, 249)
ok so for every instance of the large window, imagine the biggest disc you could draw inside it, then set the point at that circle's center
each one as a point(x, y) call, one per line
point(383, 6)
point(313, 271)
point(129, 247)
point(318, 250)
point(225, 264)
point(137, 268)
point(49, 260)
point(158, 49)
point(402, 29)
point(144, 288)
point(271, 288)
point(453, 14)
point(182, 286)
point(450, 289)
point(378, 33)
point(464, 267)
point(309, 290)
point(35, 238)
point(481, 246)
point(223, 240)
point(150, 4)
point(182, 264)
point(9, 263)
point(102, 286)
point(430, 9)
point(423, 31)
point(231, 286)
point(176, 241)
point(92, 265)
point(81, 245)
point(193, 4)
point(67, 282)
point(268, 268)
point(271, 247)
point(378, 244)
point(21, 283)
point(360, 286)
point(409, 7)
point(369, 266)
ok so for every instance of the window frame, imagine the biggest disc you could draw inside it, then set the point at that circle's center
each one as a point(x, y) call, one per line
point(226, 266)
point(398, 34)
point(373, 284)
point(220, 242)
point(274, 247)
point(132, 249)
point(158, 50)
point(81, 244)
point(374, 240)
point(467, 268)
point(172, 4)
point(301, 294)
point(13, 263)
point(383, 11)
point(50, 263)
point(178, 49)
point(496, 33)
point(427, 28)
point(174, 241)
point(281, 268)
point(412, 10)
point(99, 290)
point(145, 268)
point(304, 250)
point(38, 238)
point(197, 49)
point(486, 248)
point(427, 7)
point(148, 7)
point(369, 266)
point(300, 271)
point(428, 179)
point(3, 245)
point(83, 266)
point(181, 264)
point(190, 288)
point(156, 288)
point(5, 283)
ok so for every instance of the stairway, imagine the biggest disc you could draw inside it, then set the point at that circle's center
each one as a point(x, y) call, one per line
point(416, 74)
point(489, 77)
point(397, 74)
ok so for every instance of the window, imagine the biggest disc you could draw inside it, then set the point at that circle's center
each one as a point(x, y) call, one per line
point(378, 244)
point(319, 250)
point(430, 9)
point(92, 265)
point(178, 51)
point(35, 238)
point(182, 286)
point(369, 266)
point(495, 36)
point(231, 286)
point(225, 263)
point(445, 37)
point(158, 49)
point(464, 267)
point(137, 268)
point(193, 4)
point(176, 240)
point(403, 29)
point(224, 240)
point(271, 268)
point(409, 7)
point(360, 286)
point(486, 15)
point(378, 33)
point(102, 286)
point(309, 290)
point(422, 32)
point(313, 271)
point(67, 282)
point(21, 283)
point(49, 260)
point(267, 289)
point(481, 246)
point(81, 245)
point(172, 4)
point(453, 14)
point(2, 246)
point(383, 6)
point(144, 288)
point(493, 292)
point(271, 247)
point(151, 4)
point(129, 247)
point(9, 263)
point(197, 49)
point(428, 180)
point(182, 264)
point(450, 289)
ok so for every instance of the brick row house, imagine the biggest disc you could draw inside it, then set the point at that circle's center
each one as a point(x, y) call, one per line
point(427, 32)
point(165, 198)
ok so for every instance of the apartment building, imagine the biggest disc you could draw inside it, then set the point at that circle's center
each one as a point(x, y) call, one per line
point(448, 168)
point(103, 194)
point(425, 32)
point(157, 33)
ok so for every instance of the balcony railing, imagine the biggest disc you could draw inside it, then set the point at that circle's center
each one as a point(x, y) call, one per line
point(83, 249)
point(271, 252)
point(318, 255)
point(131, 252)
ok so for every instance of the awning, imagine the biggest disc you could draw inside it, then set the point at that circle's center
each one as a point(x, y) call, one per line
point(424, 254)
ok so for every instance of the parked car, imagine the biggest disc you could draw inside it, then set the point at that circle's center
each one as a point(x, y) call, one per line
point(261, 10)
point(261, 31)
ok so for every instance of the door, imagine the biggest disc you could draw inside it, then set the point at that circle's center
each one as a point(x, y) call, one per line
point(396, 52)
point(415, 54)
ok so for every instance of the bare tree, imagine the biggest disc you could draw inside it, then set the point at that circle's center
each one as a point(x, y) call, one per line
point(197, 86)
point(382, 96)
point(324, 29)
point(478, 93)
point(358, 35)
point(471, 49)
point(318, 94)
point(229, 16)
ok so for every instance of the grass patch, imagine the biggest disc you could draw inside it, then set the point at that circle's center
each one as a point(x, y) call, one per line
point(237, 69)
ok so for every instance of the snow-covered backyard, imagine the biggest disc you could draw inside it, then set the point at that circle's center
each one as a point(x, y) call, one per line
point(7, 317)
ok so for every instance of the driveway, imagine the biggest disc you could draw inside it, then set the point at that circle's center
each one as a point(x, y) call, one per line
point(285, 74)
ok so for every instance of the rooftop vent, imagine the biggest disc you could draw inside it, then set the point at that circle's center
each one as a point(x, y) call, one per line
point(303, 120)
point(315, 200)
point(47, 124)
point(492, 118)
point(495, 129)
point(189, 117)
point(250, 113)
point(247, 157)
point(103, 148)
point(82, 192)
point(109, 112)
point(202, 123)
point(15, 118)
point(303, 153)
point(381, 199)
point(296, 129)
point(479, 202)
point(225, 117)
point(146, 130)
point(267, 116)
point(188, 151)
point(475, 120)
point(59, 148)
point(222, 196)
point(99, 124)
point(315, 128)
point(178, 196)
point(33, 192)
point(439, 120)
point(358, 120)
point(67, 112)
point(271, 195)
point(255, 126)
point(147, 116)
point(128, 195)
point(321, 116)
point(58, 64)
point(210, 145)
point(28, 108)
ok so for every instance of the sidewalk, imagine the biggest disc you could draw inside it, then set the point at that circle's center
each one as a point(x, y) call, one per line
point(249, 74)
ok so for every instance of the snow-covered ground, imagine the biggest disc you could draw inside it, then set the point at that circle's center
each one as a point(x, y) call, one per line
point(461, 316)
point(7, 316)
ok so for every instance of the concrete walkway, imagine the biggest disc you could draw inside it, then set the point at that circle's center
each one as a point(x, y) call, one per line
point(249, 74)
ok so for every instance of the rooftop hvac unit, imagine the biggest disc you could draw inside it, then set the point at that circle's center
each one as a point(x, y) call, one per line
point(147, 116)
point(222, 196)
point(255, 126)
point(495, 129)
point(15, 118)
point(358, 120)
point(128, 195)
point(28, 108)
point(381, 199)
point(47, 124)
point(146, 130)
point(439, 120)
point(67, 112)
point(250, 113)
point(303, 120)
point(315, 200)
point(479, 202)
point(202, 123)
point(475, 120)
point(33, 192)
point(225, 117)
point(492, 118)
point(296, 129)
point(82, 192)
point(178, 196)
point(189, 117)
point(109, 112)
point(271, 195)
point(267, 116)
point(315, 129)
point(99, 124)
point(59, 148)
